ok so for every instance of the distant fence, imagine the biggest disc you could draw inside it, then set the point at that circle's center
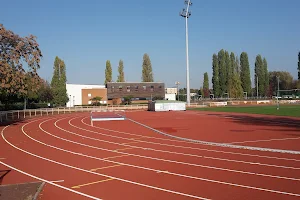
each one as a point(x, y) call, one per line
point(28, 113)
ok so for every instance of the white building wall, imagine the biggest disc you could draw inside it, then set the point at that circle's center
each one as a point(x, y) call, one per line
point(170, 96)
point(75, 94)
point(171, 90)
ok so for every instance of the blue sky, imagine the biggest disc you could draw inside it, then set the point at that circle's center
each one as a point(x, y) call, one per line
point(87, 33)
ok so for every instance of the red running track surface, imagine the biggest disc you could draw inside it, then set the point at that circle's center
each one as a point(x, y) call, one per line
point(123, 160)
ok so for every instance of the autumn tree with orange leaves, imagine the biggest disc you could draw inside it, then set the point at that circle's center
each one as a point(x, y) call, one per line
point(19, 61)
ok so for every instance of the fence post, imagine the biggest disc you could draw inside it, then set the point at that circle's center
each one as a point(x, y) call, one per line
point(52, 111)
point(30, 113)
point(18, 114)
point(24, 114)
point(41, 112)
point(35, 112)
point(12, 114)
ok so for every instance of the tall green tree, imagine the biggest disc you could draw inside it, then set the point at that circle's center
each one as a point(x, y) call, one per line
point(266, 76)
point(259, 76)
point(222, 72)
point(285, 81)
point(245, 73)
point(121, 77)
point(299, 65)
point(228, 70)
point(237, 67)
point(215, 77)
point(15, 53)
point(206, 85)
point(108, 72)
point(58, 83)
point(147, 74)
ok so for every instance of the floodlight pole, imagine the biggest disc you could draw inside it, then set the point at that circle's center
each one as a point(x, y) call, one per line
point(177, 83)
point(186, 14)
point(277, 92)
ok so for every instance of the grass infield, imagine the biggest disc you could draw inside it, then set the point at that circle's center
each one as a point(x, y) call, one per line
point(284, 110)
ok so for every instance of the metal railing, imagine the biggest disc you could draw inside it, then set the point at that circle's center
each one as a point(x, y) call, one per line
point(29, 113)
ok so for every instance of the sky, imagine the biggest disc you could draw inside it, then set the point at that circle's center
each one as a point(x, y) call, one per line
point(87, 33)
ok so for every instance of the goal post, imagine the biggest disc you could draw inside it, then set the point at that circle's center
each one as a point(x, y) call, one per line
point(107, 115)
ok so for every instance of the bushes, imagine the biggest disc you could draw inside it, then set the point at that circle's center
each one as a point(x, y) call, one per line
point(20, 106)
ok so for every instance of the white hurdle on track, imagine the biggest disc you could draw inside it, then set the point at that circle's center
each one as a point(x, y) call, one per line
point(120, 115)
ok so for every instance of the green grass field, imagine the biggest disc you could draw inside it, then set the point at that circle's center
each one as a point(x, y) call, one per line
point(286, 110)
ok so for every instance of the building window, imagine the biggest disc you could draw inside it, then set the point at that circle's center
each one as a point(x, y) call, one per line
point(90, 102)
point(112, 88)
point(89, 95)
point(128, 88)
point(144, 87)
point(152, 88)
point(160, 87)
point(136, 88)
point(120, 88)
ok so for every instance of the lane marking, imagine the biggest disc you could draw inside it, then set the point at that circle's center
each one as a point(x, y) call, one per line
point(93, 170)
point(219, 144)
point(130, 142)
point(203, 179)
point(98, 174)
point(51, 183)
point(79, 186)
point(186, 142)
point(58, 181)
point(115, 157)
point(171, 152)
point(124, 149)
point(152, 158)
point(267, 140)
point(124, 180)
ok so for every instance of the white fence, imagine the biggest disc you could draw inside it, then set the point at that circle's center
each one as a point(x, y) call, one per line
point(28, 113)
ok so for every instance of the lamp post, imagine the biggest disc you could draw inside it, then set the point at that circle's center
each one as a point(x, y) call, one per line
point(177, 83)
point(186, 14)
point(70, 101)
point(277, 92)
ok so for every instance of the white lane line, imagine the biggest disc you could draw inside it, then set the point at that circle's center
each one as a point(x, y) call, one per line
point(267, 140)
point(172, 152)
point(185, 147)
point(220, 144)
point(58, 181)
point(96, 173)
point(49, 182)
point(177, 162)
point(167, 172)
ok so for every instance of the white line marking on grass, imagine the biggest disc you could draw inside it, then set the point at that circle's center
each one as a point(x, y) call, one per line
point(135, 166)
point(185, 147)
point(267, 140)
point(171, 152)
point(220, 144)
point(98, 174)
point(170, 191)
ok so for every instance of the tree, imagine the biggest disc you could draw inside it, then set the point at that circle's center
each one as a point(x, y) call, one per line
point(127, 100)
point(108, 72)
point(299, 65)
point(147, 74)
point(215, 77)
point(15, 52)
point(259, 76)
point(228, 70)
point(45, 92)
point(58, 83)
point(121, 77)
point(245, 73)
point(96, 101)
point(236, 90)
point(222, 72)
point(266, 77)
point(206, 85)
point(285, 81)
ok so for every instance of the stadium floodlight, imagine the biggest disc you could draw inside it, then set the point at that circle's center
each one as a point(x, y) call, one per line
point(186, 13)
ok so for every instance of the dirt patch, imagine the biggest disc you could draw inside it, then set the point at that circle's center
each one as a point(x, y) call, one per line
point(22, 191)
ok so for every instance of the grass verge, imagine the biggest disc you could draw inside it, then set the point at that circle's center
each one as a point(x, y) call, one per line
point(287, 110)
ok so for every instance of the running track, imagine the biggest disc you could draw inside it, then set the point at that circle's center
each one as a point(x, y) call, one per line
point(123, 160)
